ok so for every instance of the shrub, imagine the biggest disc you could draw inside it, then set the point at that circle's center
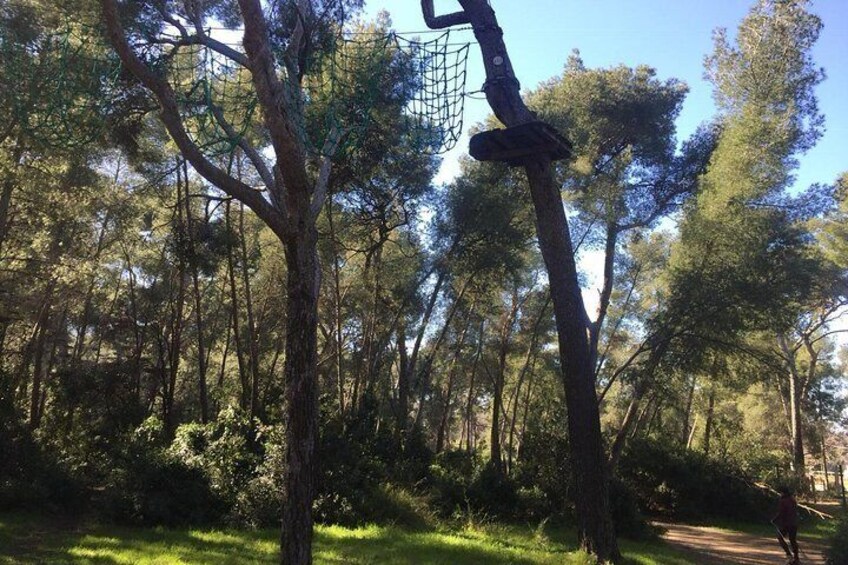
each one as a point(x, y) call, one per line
point(494, 494)
point(228, 451)
point(686, 484)
point(837, 553)
point(626, 515)
point(151, 486)
point(349, 473)
point(259, 503)
point(29, 476)
point(450, 477)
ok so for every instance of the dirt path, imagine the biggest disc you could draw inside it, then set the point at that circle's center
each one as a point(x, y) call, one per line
point(712, 546)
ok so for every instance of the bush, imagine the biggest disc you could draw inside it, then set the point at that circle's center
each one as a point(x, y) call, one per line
point(544, 466)
point(837, 553)
point(29, 477)
point(685, 484)
point(449, 479)
point(151, 486)
point(259, 503)
point(495, 494)
point(626, 515)
point(350, 471)
point(228, 451)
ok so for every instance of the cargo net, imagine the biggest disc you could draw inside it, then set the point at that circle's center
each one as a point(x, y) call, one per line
point(215, 96)
point(418, 86)
point(366, 81)
point(63, 88)
point(57, 85)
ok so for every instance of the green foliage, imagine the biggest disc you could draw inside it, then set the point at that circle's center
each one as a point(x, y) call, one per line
point(837, 553)
point(151, 486)
point(687, 485)
point(356, 463)
point(29, 476)
point(389, 545)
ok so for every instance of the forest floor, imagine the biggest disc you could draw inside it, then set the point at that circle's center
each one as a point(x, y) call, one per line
point(720, 546)
point(27, 538)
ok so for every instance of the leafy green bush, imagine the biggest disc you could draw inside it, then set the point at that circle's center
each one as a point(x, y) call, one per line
point(686, 484)
point(450, 477)
point(228, 451)
point(259, 503)
point(152, 486)
point(30, 477)
point(837, 553)
point(628, 519)
point(544, 465)
point(351, 468)
point(243, 461)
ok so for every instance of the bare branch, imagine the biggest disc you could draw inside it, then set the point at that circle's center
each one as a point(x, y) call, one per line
point(251, 152)
point(441, 22)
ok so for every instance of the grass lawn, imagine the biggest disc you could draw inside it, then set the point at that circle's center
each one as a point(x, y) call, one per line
point(31, 539)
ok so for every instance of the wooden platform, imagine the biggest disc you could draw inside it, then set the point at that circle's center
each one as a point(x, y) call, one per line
point(514, 145)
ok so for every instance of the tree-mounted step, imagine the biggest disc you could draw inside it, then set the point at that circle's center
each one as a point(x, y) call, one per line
point(516, 144)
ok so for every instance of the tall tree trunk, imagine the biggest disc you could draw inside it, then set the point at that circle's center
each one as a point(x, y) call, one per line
point(301, 396)
point(595, 528)
point(245, 396)
point(443, 422)
point(708, 424)
point(337, 311)
point(402, 411)
point(252, 337)
point(372, 353)
point(498, 383)
point(687, 412)
point(692, 433)
point(39, 350)
point(529, 359)
point(796, 421)
point(469, 403)
point(183, 199)
point(8, 187)
point(626, 425)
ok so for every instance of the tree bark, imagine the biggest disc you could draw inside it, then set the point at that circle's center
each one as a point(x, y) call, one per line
point(469, 403)
point(252, 337)
point(708, 424)
point(529, 359)
point(246, 394)
point(443, 421)
point(303, 281)
point(183, 200)
point(687, 413)
point(595, 528)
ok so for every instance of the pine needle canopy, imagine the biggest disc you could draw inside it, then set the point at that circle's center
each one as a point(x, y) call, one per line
point(64, 84)
point(57, 84)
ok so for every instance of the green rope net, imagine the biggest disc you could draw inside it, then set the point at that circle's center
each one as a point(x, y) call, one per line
point(63, 86)
point(215, 95)
point(338, 99)
point(58, 85)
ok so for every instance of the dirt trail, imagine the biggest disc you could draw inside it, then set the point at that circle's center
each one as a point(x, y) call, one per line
point(712, 546)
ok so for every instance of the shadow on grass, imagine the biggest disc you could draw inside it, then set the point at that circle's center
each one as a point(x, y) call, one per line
point(36, 539)
point(39, 540)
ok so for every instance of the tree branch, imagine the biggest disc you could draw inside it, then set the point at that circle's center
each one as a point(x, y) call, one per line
point(441, 22)
point(170, 114)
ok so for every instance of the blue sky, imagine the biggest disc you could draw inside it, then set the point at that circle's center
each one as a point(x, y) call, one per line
point(672, 36)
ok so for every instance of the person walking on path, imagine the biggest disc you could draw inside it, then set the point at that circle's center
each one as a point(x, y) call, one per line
point(786, 522)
